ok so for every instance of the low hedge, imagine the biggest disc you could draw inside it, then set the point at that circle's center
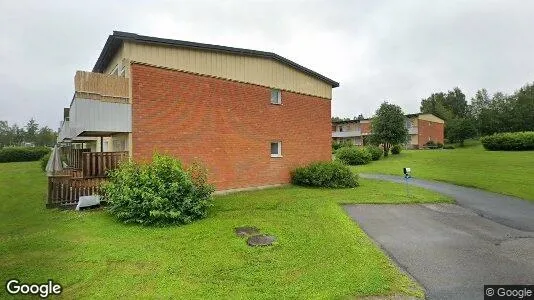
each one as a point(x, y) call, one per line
point(509, 141)
point(354, 155)
point(396, 149)
point(376, 152)
point(14, 154)
point(325, 174)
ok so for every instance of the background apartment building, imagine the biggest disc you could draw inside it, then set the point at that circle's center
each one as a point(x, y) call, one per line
point(421, 129)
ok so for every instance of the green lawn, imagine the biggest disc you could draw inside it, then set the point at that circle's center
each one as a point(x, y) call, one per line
point(505, 172)
point(320, 252)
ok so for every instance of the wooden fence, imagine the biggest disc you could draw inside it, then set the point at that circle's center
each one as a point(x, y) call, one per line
point(65, 190)
point(96, 164)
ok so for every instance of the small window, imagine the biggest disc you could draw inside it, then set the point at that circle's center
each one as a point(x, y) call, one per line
point(276, 96)
point(276, 149)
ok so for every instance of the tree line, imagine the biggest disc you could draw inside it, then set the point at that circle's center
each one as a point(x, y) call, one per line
point(485, 115)
point(31, 134)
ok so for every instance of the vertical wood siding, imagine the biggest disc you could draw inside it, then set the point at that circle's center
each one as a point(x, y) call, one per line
point(247, 69)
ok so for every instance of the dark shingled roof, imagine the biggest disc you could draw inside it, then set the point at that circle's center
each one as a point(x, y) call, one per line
point(115, 40)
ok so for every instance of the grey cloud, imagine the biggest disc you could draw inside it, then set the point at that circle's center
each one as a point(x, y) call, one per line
point(400, 51)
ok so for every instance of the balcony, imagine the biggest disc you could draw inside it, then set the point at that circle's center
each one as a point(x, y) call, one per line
point(100, 107)
point(343, 134)
point(97, 86)
point(98, 118)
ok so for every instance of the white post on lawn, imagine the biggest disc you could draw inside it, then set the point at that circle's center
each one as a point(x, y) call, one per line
point(407, 176)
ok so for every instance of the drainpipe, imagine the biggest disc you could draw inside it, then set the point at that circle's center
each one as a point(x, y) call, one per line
point(101, 144)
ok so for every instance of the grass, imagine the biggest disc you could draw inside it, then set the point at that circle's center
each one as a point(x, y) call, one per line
point(320, 252)
point(505, 172)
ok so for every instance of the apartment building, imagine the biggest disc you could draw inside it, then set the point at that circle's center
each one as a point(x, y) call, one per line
point(421, 129)
point(245, 114)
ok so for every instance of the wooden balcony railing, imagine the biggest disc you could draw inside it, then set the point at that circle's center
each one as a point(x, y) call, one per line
point(101, 86)
point(74, 157)
point(96, 164)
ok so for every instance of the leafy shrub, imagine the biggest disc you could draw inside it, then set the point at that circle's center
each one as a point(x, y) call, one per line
point(509, 141)
point(14, 154)
point(44, 161)
point(325, 174)
point(158, 193)
point(430, 144)
point(336, 146)
point(448, 147)
point(396, 149)
point(353, 155)
point(376, 152)
point(439, 145)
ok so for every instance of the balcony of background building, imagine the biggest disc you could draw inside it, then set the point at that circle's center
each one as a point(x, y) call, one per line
point(343, 134)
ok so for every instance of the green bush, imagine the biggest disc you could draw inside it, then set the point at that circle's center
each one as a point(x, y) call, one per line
point(448, 147)
point(325, 174)
point(509, 141)
point(396, 149)
point(336, 146)
point(14, 154)
point(44, 161)
point(353, 155)
point(376, 152)
point(439, 145)
point(158, 193)
point(430, 144)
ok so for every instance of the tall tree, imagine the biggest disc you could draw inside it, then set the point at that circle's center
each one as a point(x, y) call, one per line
point(455, 102)
point(461, 129)
point(435, 105)
point(446, 106)
point(480, 101)
point(387, 126)
point(523, 108)
point(45, 137)
point(31, 130)
point(17, 135)
point(5, 134)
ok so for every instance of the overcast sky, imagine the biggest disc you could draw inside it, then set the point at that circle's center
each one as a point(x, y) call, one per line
point(399, 51)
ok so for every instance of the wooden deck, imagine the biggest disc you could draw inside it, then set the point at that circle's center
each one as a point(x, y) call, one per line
point(66, 187)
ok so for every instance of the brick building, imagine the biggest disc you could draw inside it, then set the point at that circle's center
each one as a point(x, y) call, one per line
point(421, 128)
point(249, 116)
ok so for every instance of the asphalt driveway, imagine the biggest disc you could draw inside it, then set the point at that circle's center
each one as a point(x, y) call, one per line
point(453, 250)
point(511, 211)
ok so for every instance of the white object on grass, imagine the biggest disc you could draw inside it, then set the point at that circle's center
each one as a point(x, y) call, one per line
point(86, 201)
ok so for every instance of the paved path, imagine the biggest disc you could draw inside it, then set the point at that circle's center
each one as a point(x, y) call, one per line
point(510, 211)
point(452, 250)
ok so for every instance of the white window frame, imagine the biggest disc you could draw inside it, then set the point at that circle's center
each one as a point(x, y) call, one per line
point(279, 154)
point(278, 97)
point(115, 70)
point(122, 72)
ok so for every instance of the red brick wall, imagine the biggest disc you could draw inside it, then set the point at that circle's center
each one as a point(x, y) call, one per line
point(432, 130)
point(226, 125)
